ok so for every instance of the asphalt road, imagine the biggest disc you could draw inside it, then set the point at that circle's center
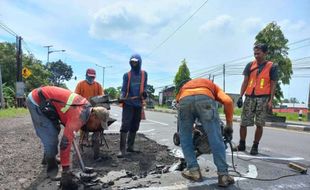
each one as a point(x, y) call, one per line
point(277, 148)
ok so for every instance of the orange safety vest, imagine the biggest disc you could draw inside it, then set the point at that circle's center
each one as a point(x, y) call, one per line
point(141, 87)
point(141, 83)
point(197, 86)
point(260, 83)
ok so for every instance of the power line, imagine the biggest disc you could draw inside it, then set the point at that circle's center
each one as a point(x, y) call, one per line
point(178, 28)
point(6, 28)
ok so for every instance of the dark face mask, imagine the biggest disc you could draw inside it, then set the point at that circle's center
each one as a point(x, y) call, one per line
point(134, 65)
point(90, 80)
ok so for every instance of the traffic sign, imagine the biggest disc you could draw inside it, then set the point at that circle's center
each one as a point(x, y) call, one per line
point(26, 72)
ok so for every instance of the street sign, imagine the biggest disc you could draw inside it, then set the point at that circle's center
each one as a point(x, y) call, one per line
point(26, 72)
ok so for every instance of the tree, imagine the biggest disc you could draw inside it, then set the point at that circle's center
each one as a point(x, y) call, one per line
point(150, 90)
point(8, 63)
point(286, 101)
point(273, 37)
point(60, 72)
point(294, 100)
point(39, 76)
point(182, 76)
point(112, 92)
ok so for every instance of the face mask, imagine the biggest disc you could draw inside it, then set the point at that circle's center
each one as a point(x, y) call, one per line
point(90, 80)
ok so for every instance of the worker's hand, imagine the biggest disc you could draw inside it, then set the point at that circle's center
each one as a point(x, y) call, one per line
point(228, 131)
point(120, 100)
point(144, 95)
point(68, 180)
point(240, 102)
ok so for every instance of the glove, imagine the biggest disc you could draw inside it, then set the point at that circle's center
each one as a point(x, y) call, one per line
point(227, 133)
point(144, 95)
point(240, 102)
point(68, 181)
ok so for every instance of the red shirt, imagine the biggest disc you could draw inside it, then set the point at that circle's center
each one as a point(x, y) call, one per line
point(72, 117)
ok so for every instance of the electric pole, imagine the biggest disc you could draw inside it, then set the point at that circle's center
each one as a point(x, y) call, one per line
point(224, 77)
point(1, 91)
point(103, 70)
point(19, 79)
point(309, 104)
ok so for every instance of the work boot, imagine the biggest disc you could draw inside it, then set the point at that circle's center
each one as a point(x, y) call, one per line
point(225, 180)
point(131, 141)
point(254, 149)
point(52, 167)
point(240, 147)
point(43, 162)
point(193, 174)
point(122, 145)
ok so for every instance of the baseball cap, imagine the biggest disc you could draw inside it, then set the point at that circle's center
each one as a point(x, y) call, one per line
point(134, 59)
point(91, 72)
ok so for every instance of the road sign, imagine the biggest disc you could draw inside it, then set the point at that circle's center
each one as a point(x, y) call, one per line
point(26, 72)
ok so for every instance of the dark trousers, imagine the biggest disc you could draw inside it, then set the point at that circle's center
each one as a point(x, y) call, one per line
point(131, 117)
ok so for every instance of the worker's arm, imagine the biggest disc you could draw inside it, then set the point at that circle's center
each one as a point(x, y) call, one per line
point(244, 85)
point(223, 98)
point(78, 89)
point(272, 93)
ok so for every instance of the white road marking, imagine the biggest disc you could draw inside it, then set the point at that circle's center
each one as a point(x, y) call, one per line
point(188, 185)
point(157, 122)
point(268, 158)
point(117, 131)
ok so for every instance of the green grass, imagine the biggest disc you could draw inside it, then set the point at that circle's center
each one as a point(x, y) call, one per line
point(13, 112)
point(292, 116)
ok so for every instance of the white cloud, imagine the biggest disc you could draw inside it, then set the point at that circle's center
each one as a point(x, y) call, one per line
point(220, 23)
point(292, 26)
point(252, 24)
point(135, 22)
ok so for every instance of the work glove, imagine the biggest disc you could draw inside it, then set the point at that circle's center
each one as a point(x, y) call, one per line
point(68, 181)
point(240, 102)
point(227, 133)
point(144, 95)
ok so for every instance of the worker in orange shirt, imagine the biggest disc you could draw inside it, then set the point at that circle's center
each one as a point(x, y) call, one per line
point(198, 100)
point(88, 88)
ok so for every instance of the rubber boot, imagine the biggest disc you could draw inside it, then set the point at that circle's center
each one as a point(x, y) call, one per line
point(254, 149)
point(240, 147)
point(52, 167)
point(131, 142)
point(43, 162)
point(122, 145)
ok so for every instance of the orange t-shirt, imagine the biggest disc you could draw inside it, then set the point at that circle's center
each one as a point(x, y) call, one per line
point(87, 90)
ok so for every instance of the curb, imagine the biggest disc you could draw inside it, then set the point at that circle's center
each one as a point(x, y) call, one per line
point(290, 126)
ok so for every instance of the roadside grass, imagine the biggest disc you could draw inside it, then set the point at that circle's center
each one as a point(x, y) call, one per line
point(13, 112)
point(237, 112)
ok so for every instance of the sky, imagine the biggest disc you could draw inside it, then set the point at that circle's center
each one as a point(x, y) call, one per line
point(207, 34)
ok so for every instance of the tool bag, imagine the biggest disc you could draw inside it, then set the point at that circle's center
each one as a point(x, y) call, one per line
point(48, 109)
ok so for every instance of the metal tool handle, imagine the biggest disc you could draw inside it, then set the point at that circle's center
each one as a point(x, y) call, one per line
point(77, 151)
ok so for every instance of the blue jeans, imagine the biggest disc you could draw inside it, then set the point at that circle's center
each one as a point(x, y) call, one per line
point(45, 130)
point(205, 109)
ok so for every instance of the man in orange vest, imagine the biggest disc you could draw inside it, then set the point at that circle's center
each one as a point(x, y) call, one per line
point(133, 93)
point(260, 79)
point(49, 106)
point(198, 99)
point(89, 88)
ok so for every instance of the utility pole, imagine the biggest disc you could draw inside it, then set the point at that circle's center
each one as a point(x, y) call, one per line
point(19, 79)
point(103, 69)
point(51, 51)
point(1, 91)
point(309, 104)
point(224, 77)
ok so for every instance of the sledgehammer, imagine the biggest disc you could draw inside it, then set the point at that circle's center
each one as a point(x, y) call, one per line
point(87, 173)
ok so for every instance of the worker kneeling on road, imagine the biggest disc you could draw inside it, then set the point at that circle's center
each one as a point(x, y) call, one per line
point(49, 106)
point(197, 99)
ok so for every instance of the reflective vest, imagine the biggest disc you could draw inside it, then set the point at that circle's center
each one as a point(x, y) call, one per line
point(259, 83)
point(197, 86)
point(141, 83)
